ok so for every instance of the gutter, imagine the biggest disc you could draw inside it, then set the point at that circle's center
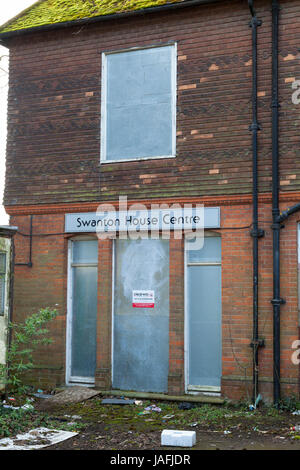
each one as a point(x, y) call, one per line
point(103, 18)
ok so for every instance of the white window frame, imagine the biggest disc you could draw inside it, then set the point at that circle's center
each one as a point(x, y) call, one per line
point(104, 77)
point(4, 284)
point(73, 380)
point(189, 388)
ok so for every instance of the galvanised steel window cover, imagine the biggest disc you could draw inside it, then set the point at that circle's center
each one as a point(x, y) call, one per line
point(138, 104)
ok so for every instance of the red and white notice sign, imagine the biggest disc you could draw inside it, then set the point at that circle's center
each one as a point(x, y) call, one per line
point(143, 298)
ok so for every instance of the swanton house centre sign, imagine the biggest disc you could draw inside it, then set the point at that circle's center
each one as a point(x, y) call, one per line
point(195, 218)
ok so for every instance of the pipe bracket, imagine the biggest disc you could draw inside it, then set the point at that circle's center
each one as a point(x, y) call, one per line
point(254, 127)
point(255, 22)
point(258, 343)
point(259, 233)
point(279, 301)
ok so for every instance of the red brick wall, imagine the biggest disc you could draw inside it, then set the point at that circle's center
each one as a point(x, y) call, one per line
point(45, 285)
point(104, 328)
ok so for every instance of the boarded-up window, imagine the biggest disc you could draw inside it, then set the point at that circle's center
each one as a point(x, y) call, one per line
point(2, 281)
point(139, 104)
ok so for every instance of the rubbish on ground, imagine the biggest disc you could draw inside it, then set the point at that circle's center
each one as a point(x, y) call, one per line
point(227, 432)
point(42, 395)
point(73, 416)
point(144, 413)
point(168, 417)
point(27, 407)
point(117, 401)
point(11, 399)
point(257, 401)
point(178, 438)
point(24, 407)
point(296, 428)
point(153, 408)
point(193, 424)
point(138, 402)
point(35, 439)
point(186, 406)
point(296, 413)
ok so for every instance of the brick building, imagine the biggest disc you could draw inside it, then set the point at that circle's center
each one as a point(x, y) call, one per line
point(157, 101)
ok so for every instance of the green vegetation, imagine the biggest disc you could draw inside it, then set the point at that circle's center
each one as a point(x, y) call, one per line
point(15, 421)
point(132, 416)
point(47, 12)
point(26, 337)
point(130, 423)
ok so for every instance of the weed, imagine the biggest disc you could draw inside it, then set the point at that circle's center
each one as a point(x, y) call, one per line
point(26, 337)
point(291, 403)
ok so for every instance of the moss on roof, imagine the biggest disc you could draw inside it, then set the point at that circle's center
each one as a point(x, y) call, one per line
point(46, 12)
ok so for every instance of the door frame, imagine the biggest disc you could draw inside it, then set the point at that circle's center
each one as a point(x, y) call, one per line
point(72, 380)
point(192, 389)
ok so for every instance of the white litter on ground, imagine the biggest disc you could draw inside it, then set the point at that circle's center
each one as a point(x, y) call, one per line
point(178, 438)
point(35, 439)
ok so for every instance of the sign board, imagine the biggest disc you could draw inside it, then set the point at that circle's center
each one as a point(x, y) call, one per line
point(143, 298)
point(143, 220)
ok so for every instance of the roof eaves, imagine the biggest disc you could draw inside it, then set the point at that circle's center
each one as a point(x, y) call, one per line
point(96, 19)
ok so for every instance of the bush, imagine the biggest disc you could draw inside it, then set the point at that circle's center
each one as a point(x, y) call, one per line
point(26, 337)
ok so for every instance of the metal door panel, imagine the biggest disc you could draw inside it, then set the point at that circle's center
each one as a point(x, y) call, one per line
point(141, 335)
point(84, 322)
point(204, 315)
point(84, 286)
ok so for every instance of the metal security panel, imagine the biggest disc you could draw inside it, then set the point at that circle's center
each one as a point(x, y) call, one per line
point(141, 315)
point(83, 321)
point(204, 316)
point(138, 104)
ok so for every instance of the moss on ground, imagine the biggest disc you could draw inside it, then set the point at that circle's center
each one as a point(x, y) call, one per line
point(131, 416)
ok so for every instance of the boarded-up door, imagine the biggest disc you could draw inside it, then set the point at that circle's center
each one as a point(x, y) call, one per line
point(204, 316)
point(84, 268)
point(141, 335)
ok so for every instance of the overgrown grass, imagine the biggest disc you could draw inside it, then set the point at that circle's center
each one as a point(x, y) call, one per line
point(15, 421)
point(133, 417)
